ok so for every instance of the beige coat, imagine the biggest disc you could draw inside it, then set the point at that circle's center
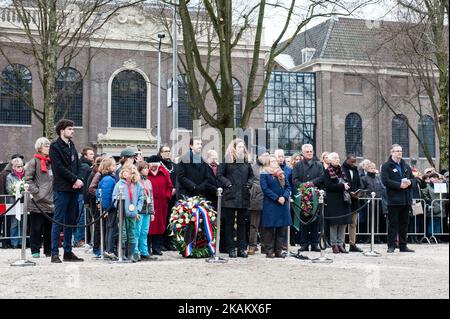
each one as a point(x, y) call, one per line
point(41, 186)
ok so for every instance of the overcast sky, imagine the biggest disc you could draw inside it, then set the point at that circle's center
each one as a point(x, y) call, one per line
point(379, 11)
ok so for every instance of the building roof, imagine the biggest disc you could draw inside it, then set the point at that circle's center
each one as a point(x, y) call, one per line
point(339, 39)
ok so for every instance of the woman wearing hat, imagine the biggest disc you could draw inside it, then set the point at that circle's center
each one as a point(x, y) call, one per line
point(162, 193)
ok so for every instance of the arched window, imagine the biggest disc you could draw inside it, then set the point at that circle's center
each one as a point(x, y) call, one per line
point(69, 102)
point(184, 110)
point(400, 133)
point(427, 136)
point(129, 100)
point(353, 134)
point(15, 91)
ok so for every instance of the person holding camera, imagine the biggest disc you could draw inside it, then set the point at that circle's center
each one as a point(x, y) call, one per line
point(396, 176)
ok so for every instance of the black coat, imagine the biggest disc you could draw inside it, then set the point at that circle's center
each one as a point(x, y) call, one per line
point(85, 171)
point(194, 179)
point(391, 178)
point(354, 182)
point(236, 179)
point(335, 204)
point(307, 172)
point(65, 166)
point(373, 183)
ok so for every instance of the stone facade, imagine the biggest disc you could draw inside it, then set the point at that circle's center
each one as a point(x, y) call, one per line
point(338, 46)
point(128, 42)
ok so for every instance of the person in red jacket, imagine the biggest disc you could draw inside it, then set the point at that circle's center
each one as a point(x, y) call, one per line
point(163, 191)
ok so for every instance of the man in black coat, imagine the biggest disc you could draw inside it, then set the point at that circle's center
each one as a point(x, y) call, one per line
point(193, 174)
point(308, 171)
point(67, 185)
point(396, 176)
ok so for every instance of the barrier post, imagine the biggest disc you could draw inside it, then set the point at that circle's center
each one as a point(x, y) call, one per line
point(87, 247)
point(119, 245)
point(23, 261)
point(372, 253)
point(102, 247)
point(322, 259)
point(216, 258)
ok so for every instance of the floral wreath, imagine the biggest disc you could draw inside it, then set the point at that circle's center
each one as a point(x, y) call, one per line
point(306, 199)
point(193, 227)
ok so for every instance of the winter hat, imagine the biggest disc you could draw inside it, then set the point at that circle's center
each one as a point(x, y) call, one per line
point(154, 159)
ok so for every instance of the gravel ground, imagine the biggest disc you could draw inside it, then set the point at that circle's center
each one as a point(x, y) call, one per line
point(424, 274)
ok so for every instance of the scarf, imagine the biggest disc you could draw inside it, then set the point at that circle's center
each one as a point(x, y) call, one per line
point(44, 160)
point(19, 175)
point(280, 175)
point(214, 166)
point(371, 174)
point(336, 172)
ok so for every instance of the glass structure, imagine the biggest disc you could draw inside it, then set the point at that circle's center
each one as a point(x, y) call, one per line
point(290, 107)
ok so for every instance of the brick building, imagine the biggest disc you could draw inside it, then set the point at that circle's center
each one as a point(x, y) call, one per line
point(351, 117)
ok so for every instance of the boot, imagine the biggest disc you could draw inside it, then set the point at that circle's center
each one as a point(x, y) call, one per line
point(335, 249)
point(124, 252)
point(251, 250)
point(131, 255)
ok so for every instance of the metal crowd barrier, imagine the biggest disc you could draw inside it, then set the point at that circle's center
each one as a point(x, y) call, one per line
point(381, 220)
point(6, 201)
point(443, 217)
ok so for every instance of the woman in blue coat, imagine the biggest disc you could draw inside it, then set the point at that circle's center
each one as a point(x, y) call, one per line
point(275, 215)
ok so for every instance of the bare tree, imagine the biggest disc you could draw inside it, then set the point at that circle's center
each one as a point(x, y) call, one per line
point(417, 46)
point(231, 23)
point(53, 33)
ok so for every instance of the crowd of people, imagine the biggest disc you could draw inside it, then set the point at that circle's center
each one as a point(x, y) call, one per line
point(256, 200)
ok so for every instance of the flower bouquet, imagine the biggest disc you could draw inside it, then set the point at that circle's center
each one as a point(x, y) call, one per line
point(20, 184)
point(193, 226)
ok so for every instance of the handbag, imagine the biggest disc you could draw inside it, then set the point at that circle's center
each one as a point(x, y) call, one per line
point(417, 208)
point(347, 197)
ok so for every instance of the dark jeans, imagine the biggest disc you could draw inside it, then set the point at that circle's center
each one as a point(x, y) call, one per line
point(66, 212)
point(398, 219)
point(274, 238)
point(112, 230)
point(309, 234)
point(41, 230)
point(229, 216)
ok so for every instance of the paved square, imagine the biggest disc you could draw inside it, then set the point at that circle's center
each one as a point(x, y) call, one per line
point(424, 274)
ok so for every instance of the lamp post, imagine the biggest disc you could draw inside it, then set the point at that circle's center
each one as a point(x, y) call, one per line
point(160, 37)
point(174, 73)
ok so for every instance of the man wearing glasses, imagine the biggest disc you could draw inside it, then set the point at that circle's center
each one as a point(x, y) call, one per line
point(396, 176)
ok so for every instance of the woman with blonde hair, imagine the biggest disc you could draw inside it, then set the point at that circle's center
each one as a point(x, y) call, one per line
point(133, 195)
point(236, 178)
point(324, 159)
point(275, 215)
point(106, 184)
